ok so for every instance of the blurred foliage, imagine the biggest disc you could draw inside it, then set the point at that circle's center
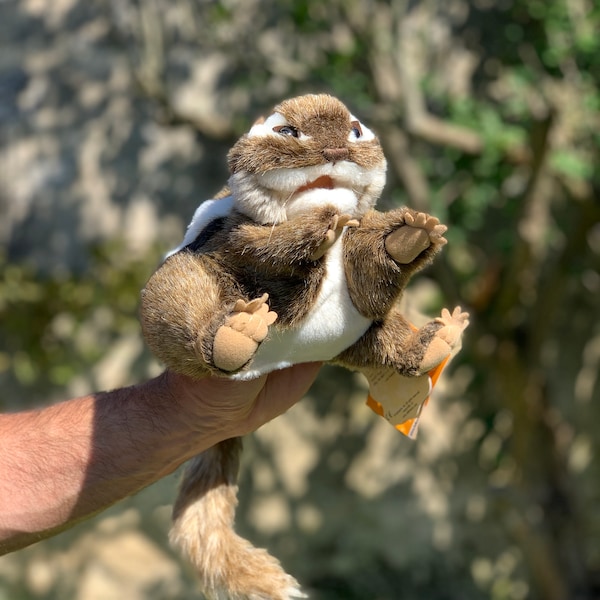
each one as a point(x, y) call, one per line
point(55, 329)
point(115, 120)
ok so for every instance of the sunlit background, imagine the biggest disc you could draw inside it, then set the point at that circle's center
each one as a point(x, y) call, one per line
point(116, 118)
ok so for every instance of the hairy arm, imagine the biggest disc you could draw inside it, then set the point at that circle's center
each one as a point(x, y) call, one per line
point(62, 464)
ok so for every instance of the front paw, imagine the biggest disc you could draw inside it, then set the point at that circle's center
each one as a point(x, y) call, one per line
point(334, 230)
point(418, 232)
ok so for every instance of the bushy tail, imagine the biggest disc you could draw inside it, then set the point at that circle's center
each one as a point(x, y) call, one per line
point(230, 568)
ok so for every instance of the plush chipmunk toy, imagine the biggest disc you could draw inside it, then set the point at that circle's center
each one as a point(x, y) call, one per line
point(291, 264)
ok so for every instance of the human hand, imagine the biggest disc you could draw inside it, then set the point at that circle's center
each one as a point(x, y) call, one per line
point(236, 408)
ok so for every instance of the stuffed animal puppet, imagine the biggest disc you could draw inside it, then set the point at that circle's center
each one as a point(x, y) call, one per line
point(290, 264)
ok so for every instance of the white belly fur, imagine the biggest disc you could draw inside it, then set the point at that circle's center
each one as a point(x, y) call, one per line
point(332, 325)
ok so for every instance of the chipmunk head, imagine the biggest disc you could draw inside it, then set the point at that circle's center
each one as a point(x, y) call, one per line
point(310, 152)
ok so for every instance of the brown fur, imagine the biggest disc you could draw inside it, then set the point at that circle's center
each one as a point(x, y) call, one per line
point(198, 287)
point(254, 250)
point(328, 127)
point(206, 507)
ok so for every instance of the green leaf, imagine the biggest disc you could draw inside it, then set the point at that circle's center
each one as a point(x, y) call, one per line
point(572, 164)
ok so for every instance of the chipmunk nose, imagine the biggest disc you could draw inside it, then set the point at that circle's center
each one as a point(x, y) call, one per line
point(336, 154)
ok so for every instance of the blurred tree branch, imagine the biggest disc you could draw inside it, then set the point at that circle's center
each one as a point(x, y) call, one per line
point(418, 120)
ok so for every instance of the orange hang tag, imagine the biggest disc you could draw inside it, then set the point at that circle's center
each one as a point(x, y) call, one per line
point(401, 399)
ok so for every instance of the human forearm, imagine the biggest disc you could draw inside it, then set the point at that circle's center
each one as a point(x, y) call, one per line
point(62, 464)
point(67, 462)
point(39, 474)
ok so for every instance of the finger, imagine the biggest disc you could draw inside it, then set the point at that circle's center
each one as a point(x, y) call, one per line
point(457, 313)
point(239, 306)
point(421, 220)
point(267, 315)
point(256, 304)
point(282, 390)
point(256, 329)
point(262, 311)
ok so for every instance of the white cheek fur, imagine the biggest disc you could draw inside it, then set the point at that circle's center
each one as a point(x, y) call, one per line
point(345, 174)
point(344, 200)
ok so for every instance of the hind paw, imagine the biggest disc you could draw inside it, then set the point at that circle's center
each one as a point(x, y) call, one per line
point(238, 338)
point(446, 339)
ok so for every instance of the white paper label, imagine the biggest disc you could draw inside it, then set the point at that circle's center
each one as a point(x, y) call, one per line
point(401, 397)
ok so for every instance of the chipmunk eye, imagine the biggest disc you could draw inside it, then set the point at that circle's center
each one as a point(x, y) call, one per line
point(356, 130)
point(287, 130)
